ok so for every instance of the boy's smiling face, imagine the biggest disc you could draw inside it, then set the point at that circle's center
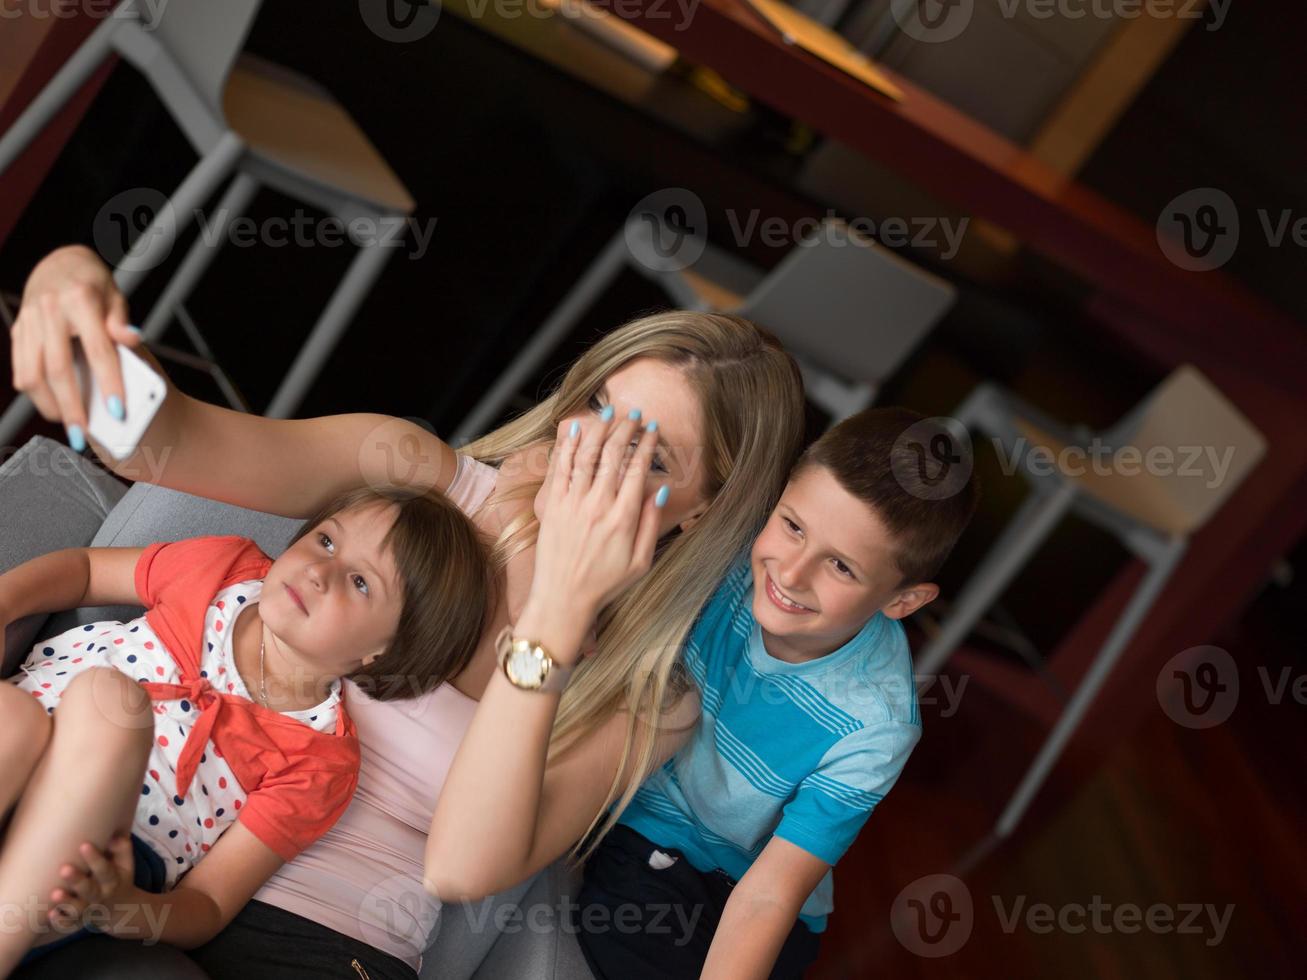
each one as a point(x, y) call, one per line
point(824, 565)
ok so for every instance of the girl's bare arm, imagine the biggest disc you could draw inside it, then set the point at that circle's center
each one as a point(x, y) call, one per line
point(67, 579)
point(204, 901)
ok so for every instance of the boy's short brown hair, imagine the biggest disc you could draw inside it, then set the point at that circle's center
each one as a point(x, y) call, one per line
point(875, 457)
point(448, 584)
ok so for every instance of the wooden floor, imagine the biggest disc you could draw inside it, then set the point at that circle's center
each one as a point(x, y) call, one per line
point(1171, 817)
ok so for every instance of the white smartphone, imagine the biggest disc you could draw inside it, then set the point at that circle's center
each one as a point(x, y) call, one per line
point(144, 391)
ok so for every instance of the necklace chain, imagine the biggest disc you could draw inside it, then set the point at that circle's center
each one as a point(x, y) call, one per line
point(263, 689)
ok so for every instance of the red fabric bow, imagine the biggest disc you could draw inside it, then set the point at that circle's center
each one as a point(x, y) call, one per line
point(201, 694)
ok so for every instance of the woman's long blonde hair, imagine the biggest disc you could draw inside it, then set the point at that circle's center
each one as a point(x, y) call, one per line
point(751, 402)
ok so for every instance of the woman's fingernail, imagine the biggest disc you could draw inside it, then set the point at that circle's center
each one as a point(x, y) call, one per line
point(135, 330)
point(634, 415)
point(607, 414)
point(115, 405)
point(652, 426)
point(76, 439)
point(573, 429)
point(660, 498)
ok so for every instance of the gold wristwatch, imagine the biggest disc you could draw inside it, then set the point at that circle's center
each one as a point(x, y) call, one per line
point(528, 665)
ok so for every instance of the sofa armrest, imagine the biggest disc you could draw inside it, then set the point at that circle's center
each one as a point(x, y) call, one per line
point(51, 498)
point(539, 941)
point(522, 934)
point(464, 934)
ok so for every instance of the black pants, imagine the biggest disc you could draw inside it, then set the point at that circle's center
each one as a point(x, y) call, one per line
point(265, 941)
point(635, 921)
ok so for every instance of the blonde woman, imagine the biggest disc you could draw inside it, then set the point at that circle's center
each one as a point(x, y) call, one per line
point(728, 405)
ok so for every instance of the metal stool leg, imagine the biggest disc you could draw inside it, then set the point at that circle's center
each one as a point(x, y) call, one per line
point(231, 206)
point(1098, 672)
point(153, 245)
point(1037, 516)
point(551, 333)
point(355, 285)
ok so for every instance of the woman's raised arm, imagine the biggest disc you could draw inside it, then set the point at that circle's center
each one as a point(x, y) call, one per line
point(285, 467)
point(503, 813)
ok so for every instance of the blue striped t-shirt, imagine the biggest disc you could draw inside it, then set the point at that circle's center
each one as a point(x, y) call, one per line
point(802, 751)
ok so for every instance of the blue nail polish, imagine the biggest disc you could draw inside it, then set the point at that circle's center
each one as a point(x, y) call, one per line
point(607, 414)
point(573, 429)
point(76, 439)
point(634, 415)
point(135, 330)
point(653, 425)
point(660, 498)
point(115, 405)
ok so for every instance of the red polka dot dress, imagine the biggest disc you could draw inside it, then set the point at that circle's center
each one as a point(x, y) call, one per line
point(179, 828)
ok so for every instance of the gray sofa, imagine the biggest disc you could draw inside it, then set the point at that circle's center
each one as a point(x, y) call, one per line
point(51, 498)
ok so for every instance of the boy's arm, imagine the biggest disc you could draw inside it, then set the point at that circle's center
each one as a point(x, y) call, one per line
point(70, 578)
point(204, 901)
point(761, 911)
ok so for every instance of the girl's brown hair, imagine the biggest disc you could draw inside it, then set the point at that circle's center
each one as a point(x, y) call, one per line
point(449, 590)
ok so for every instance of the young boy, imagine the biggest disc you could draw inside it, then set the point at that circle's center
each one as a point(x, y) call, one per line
point(809, 714)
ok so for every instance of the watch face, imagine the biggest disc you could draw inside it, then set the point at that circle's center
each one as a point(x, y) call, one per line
point(525, 667)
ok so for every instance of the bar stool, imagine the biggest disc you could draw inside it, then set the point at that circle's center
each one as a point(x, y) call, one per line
point(244, 116)
point(1153, 511)
point(848, 309)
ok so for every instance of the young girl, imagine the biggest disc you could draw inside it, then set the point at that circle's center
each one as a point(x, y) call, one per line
point(226, 695)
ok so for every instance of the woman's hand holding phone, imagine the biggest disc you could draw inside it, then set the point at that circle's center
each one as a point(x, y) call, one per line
point(70, 295)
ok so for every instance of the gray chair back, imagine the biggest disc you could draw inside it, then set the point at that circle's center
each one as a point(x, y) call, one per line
point(203, 36)
point(848, 304)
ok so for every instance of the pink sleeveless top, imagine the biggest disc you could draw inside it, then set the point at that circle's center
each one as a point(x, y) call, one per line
point(364, 876)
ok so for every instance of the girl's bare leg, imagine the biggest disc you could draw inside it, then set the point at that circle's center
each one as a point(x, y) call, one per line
point(24, 733)
point(85, 788)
